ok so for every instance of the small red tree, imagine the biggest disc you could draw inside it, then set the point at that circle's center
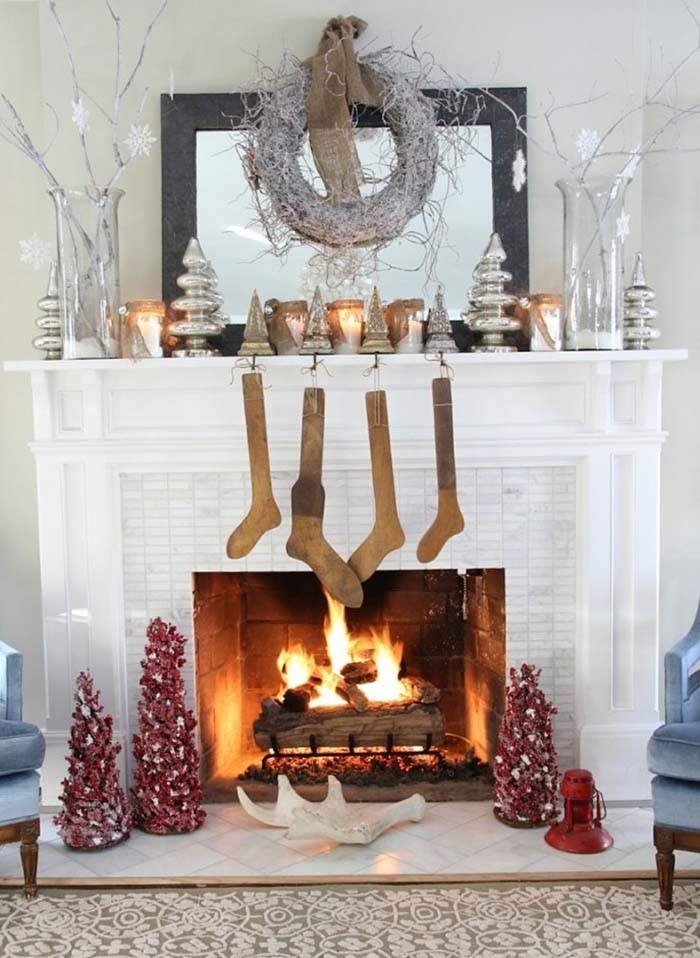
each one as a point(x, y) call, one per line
point(95, 812)
point(166, 794)
point(525, 769)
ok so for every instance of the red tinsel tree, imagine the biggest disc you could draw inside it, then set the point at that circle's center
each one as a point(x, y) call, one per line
point(166, 794)
point(525, 769)
point(96, 812)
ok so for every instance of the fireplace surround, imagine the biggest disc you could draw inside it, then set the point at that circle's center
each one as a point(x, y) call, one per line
point(142, 475)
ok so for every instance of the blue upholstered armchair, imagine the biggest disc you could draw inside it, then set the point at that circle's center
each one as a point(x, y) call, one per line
point(673, 755)
point(22, 750)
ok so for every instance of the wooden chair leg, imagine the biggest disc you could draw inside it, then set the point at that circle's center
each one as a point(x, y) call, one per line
point(665, 863)
point(29, 852)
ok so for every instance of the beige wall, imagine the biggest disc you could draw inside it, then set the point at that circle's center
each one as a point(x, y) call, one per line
point(543, 44)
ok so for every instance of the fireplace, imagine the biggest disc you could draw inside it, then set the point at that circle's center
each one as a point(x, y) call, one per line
point(287, 679)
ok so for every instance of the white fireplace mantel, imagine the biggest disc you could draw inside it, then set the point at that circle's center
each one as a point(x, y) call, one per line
point(142, 471)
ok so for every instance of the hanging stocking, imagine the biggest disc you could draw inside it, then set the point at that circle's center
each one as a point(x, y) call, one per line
point(264, 514)
point(387, 533)
point(306, 542)
point(449, 520)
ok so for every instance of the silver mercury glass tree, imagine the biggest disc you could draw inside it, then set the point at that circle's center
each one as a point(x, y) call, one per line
point(638, 330)
point(440, 338)
point(317, 334)
point(487, 316)
point(198, 304)
point(50, 322)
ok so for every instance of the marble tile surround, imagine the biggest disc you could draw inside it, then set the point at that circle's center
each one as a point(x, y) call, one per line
point(520, 518)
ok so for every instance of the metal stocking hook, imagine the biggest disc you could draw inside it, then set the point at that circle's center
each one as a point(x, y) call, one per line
point(250, 363)
point(446, 371)
point(312, 371)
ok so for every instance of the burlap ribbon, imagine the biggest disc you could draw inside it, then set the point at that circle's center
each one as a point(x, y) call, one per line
point(338, 81)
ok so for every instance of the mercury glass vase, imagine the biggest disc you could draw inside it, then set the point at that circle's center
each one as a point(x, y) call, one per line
point(88, 270)
point(595, 226)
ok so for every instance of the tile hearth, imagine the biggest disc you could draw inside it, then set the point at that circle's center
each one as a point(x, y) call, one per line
point(455, 838)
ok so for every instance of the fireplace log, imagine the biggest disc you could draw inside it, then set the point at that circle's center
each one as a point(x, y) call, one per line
point(270, 705)
point(357, 673)
point(408, 724)
point(352, 695)
point(420, 690)
point(298, 699)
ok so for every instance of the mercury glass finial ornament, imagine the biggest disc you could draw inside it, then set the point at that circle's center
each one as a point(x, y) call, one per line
point(376, 333)
point(440, 338)
point(487, 317)
point(50, 322)
point(638, 330)
point(317, 334)
point(256, 339)
point(198, 304)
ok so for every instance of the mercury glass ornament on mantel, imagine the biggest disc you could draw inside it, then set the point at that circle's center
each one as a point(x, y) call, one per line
point(595, 226)
point(88, 271)
point(639, 331)
point(49, 322)
point(197, 305)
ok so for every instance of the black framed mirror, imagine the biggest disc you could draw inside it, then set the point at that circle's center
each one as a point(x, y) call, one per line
point(204, 195)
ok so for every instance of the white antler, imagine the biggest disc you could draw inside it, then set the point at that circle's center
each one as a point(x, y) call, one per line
point(332, 819)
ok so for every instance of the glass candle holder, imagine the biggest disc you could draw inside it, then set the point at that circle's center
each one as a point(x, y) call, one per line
point(546, 312)
point(405, 320)
point(346, 319)
point(143, 322)
point(286, 321)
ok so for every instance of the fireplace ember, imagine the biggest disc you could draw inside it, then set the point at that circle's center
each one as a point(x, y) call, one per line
point(355, 697)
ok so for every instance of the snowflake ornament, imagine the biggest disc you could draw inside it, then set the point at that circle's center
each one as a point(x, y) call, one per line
point(519, 174)
point(623, 225)
point(80, 116)
point(140, 140)
point(35, 251)
point(587, 143)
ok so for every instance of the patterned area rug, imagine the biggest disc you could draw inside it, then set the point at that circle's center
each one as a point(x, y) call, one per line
point(597, 920)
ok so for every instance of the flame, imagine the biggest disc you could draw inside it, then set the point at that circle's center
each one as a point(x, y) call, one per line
point(297, 665)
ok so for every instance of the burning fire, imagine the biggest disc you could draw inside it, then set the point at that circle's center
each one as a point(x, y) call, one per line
point(297, 666)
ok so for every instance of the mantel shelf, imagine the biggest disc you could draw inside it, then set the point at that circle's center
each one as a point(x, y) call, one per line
point(404, 359)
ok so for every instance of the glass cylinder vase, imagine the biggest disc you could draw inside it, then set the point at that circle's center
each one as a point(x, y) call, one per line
point(595, 226)
point(88, 270)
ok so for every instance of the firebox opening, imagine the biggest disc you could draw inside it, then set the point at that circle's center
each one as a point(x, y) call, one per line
point(408, 687)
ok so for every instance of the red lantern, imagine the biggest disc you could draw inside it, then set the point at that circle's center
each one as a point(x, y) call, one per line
point(581, 831)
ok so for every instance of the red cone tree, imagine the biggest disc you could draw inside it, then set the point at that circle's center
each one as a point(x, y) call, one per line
point(166, 794)
point(525, 769)
point(96, 812)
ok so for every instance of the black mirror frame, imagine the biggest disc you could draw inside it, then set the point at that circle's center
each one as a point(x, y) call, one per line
point(184, 114)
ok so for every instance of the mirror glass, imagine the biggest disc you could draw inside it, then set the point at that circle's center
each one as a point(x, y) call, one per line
point(239, 250)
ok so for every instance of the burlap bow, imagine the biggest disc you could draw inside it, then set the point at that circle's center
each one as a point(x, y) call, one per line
point(338, 81)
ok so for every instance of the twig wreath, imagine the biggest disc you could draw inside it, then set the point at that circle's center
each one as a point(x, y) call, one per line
point(353, 220)
point(327, 87)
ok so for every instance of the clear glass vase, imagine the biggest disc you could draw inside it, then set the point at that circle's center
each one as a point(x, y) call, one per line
point(88, 269)
point(595, 226)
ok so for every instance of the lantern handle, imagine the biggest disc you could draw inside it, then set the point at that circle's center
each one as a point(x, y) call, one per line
point(599, 799)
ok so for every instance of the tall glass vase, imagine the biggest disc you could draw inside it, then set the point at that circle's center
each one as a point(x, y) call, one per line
point(88, 268)
point(594, 236)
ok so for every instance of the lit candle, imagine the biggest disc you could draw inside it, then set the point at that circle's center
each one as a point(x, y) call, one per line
point(145, 319)
point(149, 327)
point(346, 318)
point(546, 322)
point(411, 340)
